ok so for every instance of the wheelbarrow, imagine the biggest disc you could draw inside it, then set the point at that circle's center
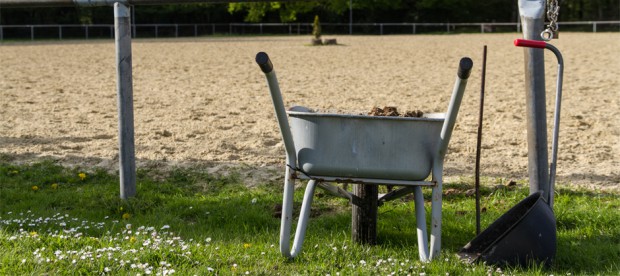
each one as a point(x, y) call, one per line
point(527, 232)
point(326, 148)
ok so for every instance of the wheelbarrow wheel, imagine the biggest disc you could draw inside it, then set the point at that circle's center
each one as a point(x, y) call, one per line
point(364, 214)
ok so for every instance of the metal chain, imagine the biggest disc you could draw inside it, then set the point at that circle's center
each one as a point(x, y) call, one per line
point(553, 11)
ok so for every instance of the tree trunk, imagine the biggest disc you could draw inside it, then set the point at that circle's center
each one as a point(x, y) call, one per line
point(364, 214)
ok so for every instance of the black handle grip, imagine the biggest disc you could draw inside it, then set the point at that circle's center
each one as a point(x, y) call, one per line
point(263, 61)
point(465, 66)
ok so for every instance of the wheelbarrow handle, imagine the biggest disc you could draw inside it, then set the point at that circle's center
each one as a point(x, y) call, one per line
point(465, 66)
point(263, 61)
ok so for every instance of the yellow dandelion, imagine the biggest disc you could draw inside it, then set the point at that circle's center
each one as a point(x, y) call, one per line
point(33, 234)
point(35, 188)
point(247, 245)
point(54, 186)
point(126, 216)
point(132, 239)
point(82, 176)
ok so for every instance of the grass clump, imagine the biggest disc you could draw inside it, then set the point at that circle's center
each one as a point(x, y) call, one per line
point(188, 222)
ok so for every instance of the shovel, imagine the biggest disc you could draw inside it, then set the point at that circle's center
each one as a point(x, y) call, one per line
point(527, 232)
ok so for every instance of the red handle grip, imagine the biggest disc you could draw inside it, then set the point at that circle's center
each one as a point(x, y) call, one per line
point(530, 43)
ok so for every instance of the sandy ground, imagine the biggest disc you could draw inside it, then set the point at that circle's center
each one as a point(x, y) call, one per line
point(204, 102)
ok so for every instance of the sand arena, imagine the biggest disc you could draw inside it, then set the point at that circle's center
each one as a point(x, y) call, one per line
point(204, 102)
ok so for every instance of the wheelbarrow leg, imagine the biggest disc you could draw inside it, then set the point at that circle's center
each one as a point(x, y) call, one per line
point(420, 218)
point(436, 211)
point(287, 216)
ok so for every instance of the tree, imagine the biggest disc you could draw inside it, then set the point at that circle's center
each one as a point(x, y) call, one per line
point(256, 11)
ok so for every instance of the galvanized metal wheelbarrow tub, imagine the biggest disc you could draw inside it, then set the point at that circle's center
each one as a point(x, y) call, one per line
point(325, 148)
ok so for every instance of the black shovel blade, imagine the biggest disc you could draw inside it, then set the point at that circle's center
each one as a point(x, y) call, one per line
point(523, 235)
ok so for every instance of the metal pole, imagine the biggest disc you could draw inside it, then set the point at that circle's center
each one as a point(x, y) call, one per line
point(134, 32)
point(479, 140)
point(350, 17)
point(127, 159)
point(532, 18)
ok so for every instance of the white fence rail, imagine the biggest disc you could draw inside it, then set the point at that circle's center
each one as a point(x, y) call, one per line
point(73, 31)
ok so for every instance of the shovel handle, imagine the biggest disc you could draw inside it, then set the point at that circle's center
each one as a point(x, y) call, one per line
point(530, 43)
point(558, 101)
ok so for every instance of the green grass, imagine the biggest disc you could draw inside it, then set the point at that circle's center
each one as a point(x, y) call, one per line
point(190, 223)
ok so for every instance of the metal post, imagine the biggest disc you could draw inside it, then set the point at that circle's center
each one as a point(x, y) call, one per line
point(176, 30)
point(594, 27)
point(195, 30)
point(532, 18)
point(350, 17)
point(134, 32)
point(60, 32)
point(31, 32)
point(86, 32)
point(127, 159)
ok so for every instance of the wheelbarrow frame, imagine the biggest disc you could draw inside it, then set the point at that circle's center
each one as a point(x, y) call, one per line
point(292, 173)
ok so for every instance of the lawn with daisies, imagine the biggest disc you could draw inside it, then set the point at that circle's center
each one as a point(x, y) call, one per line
point(58, 221)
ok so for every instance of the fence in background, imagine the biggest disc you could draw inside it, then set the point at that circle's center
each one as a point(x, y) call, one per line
point(98, 31)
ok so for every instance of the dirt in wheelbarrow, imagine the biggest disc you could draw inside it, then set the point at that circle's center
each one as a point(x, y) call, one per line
point(392, 111)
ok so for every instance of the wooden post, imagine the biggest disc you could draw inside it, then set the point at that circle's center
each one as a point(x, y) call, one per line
point(124, 85)
point(364, 214)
